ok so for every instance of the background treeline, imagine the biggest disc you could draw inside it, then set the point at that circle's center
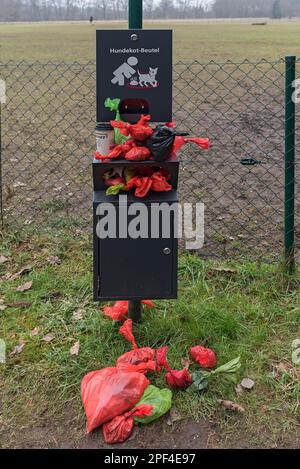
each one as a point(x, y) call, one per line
point(55, 10)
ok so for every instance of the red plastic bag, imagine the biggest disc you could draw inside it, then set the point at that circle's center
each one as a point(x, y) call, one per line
point(204, 356)
point(139, 131)
point(117, 151)
point(120, 428)
point(148, 303)
point(138, 154)
point(138, 356)
point(143, 186)
point(180, 379)
point(115, 181)
point(110, 392)
point(159, 183)
point(119, 310)
point(200, 142)
point(142, 367)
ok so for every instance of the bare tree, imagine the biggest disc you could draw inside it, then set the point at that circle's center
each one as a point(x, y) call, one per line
point(148, 8)
point(34, 10)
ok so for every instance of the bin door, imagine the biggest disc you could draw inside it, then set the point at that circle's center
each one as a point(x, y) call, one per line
point(138, 268)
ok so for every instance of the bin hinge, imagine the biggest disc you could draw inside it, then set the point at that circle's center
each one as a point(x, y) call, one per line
point(99, 285)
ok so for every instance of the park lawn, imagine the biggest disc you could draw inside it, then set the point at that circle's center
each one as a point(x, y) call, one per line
point(203, 41)
point(251, 311)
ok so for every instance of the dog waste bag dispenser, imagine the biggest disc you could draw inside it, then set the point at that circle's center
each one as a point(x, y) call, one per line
point(135, 66)
point(137, 257)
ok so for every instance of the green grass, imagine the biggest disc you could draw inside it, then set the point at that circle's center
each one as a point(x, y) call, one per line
point(253, 313)
point(193, 40)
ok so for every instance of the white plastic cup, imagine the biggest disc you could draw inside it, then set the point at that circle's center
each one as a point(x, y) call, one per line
point(105, 138)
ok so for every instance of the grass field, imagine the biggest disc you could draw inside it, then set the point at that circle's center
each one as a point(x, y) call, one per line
point(249, 311)
point(203, 41)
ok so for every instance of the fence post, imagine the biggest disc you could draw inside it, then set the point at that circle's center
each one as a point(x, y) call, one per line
point(135, 21)
point(289, 202)
point(1, 186)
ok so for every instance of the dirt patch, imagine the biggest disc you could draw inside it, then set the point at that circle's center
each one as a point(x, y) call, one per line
point(184, 434)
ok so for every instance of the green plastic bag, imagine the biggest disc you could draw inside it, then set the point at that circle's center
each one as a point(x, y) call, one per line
point(161, 401)
point(113, 105)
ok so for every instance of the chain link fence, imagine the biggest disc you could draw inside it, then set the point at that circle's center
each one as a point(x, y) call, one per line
point(47, 130)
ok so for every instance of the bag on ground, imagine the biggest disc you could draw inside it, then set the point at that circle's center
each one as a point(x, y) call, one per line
point(110, 392)
point(139, 357)
point(120, 428)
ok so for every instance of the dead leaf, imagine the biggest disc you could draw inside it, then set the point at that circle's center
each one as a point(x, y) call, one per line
point(229, 405)
point(3, 259)
point(174, 416)
point(224, 270)
point(282, 367)
point(3, 307)
point(247, 384)
point(25, 287)
point(54, 260)
point(185, 363)
point(77, 315)
point(239, 389)
point(19, 304)
point(23, 271)
point(285, 367)
point(48, 338)
point(75, 349)
point(6, 276)
point(35, 331)
point(18, 349)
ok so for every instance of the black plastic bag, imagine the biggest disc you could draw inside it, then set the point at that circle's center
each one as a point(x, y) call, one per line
point(161, 142)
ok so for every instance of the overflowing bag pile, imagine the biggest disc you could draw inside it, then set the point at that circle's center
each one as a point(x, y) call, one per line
point(140, 142)
point(118, 397)
point(114, 397)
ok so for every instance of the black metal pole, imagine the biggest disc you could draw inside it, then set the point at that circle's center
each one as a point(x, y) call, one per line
point(135, 310)
point(135, 21)
point(1, 186)
point(289, 204)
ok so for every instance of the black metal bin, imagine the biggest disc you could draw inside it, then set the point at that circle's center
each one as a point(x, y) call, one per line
point(143, 268)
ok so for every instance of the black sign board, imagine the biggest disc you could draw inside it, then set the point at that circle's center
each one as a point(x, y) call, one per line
point(135, 66)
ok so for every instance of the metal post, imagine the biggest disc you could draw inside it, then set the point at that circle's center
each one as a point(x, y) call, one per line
point(135, 310)
point(135, 14)
point(1, 186)
point(135, 21)
point(289, 202)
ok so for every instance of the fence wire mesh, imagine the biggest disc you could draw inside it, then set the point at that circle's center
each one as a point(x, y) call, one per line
point(47, 128)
